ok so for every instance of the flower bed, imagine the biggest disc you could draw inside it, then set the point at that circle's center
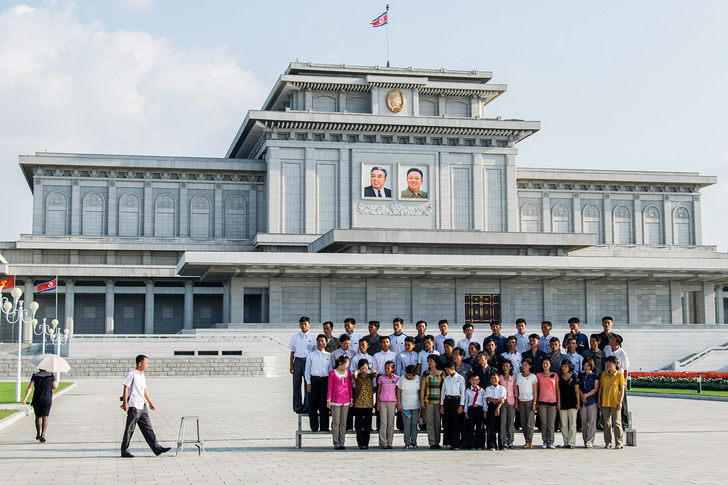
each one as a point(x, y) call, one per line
point(713, 381)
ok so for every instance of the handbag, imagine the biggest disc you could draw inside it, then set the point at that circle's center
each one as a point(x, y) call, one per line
point(121, 398)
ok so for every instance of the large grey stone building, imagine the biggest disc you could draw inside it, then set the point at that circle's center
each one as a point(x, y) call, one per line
point(291, 221)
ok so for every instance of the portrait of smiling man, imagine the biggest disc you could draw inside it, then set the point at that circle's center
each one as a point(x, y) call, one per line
point(414, 184)
point(378, 177)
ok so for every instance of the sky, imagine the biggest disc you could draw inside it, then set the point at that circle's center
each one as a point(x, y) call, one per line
point(619, 85)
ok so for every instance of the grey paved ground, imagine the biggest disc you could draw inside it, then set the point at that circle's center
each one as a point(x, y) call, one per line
point(249, 434)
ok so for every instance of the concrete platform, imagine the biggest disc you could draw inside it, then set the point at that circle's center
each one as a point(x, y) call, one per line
point(248, 429)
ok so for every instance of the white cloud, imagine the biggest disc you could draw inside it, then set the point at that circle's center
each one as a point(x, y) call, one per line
point(136, 4)
point(74, 87)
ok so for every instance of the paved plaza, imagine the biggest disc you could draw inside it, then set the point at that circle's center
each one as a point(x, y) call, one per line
point(248, 429)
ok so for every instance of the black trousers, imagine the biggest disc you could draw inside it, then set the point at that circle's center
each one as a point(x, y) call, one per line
point(317, 410)
point(451, 422)
point(474, 435)
point(139, 417)
point(495, 440)
point(363, 425)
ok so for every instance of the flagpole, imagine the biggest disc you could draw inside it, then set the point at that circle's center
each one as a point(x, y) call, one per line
point(388, 35)
point(56, 297)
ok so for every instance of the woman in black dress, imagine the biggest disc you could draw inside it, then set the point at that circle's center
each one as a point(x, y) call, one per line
point(44, 382)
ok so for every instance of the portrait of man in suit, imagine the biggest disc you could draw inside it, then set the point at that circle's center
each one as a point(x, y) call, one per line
point(378, 178)
point(414, 181)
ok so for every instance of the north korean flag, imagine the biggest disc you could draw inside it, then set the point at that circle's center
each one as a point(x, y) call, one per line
point(47, 286)
point(379, 21)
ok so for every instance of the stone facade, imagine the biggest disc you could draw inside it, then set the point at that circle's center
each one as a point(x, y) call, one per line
point(288, 222)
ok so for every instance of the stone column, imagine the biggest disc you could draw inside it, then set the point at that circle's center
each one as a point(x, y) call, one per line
point(505, 301)
point(149, 308)
point(445, 202)
point(479, 223)
point(632, 302)
point(676, 309)
point(70, 305)
point(415, 102)
point(345, 185)
point(510, 205)
point(709, 302)
point(371, 299)
point(109, 307)
point(111, 210)
point(719, 311)
point(545, 213)
point(219, 211)
point(591, 305)
point(548, 308)
point(237, 302)
point(75, 208)
point(607, 220)
point(189, 305)
point(39, 206)
point(667, 220)
point(697, 221)
point(273, 179)
point(325, 301)
point(184, 211)
point(148, 209)
point(226, 302)
point(576, 208)
point(309, 192)
point(639, 228)
point(460, 301)
point(276, 296)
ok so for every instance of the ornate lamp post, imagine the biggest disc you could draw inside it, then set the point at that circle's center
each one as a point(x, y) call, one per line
point(41, 330)
point(15, 313)
point(58, 339)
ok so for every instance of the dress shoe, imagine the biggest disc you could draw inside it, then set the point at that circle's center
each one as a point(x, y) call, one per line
point(127, 455)
point(161, 450)
point(42, 439)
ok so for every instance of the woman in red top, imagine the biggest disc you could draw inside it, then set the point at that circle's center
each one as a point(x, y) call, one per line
point(548, 396)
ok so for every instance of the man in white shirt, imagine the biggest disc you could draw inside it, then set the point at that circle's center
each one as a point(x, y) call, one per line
point(452, 400)
point(396, 340)
point(383, 356)
point(440, 339)
point(135, 399)
point(301, 345)
point(522, 344)
point(362, 354)
point(344, 349)
point(349, 325)
point(429, 343)
point(468, 330)
point(512, 355)
point(318, 365)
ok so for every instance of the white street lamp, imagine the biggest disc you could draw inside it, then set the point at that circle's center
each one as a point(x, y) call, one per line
point(14, 313)
point(58, 339)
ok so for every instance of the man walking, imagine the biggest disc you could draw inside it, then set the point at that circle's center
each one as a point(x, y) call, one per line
point(135, 399)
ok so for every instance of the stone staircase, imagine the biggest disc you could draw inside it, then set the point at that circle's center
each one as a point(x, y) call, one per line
point(713, 358)
point(167, 366)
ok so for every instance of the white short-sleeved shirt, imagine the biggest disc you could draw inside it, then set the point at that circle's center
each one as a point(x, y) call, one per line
point(494, 392)
point(422, 360)
point(465, 343)
point(410, 392)
point(397, 342)
point(302, 344)
point(525, 386)
point(136, 383)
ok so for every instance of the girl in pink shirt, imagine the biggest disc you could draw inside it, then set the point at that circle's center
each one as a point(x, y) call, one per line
point(508, 410)
point(339, 398)
point(387, 405)
point(548, 395)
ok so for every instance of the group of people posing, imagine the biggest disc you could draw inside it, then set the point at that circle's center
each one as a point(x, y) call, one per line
point(469, 394)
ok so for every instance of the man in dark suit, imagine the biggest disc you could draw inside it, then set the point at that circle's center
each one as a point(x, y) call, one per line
point(378, 179)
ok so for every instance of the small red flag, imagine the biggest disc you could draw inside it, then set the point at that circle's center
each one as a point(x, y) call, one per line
point(7, 283)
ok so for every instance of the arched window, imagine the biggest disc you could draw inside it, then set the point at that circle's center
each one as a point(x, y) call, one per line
point(56, 213)
point(560, 219)
point(622, 221)
point(358, 104)
point(129, 220)
point(235, 217)
point(681, 226)
point(592, 221)
point(200, 216)
point(93, 215)
point(164, 216)
point(428, 107)
point(324, 103)
point(652, 225)
point(530, 218)
point(457, 109)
